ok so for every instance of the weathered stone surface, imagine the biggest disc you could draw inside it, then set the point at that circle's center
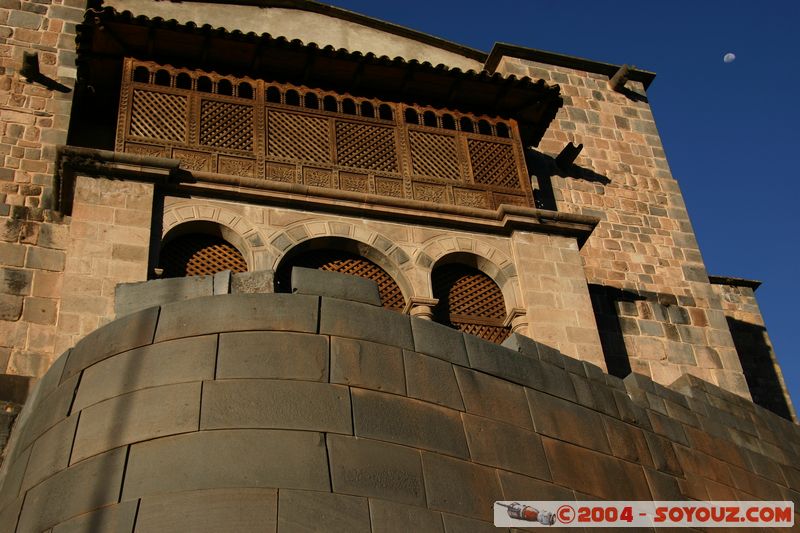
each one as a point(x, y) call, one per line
point(273, 354)
point(367, 365)
point(137, 416)
point(259, 281)
point(505, 446)
point(663, 487)
point(50, 381)
point(126, 333)
point(432, 380)
point(410, 422)
point(567, 421)
point(48, 412)
point(304, 511)
point(132, 297)
point(459, 524)
point(9, 515)
point(493, 398)
point(235, 510)
point(79, 489)
point(117, 518)
point(335, 285)
point(238, 312)
point(50, 452)
point(226, 459)
point(365, 467)
point(164, 363)
point(222, 282)
point(439, 341)
point(12, 482)
point(627, 442)
point(663, 453)
point(276, 404)
point(391, 517)
point(519, 487)
point(361, 321)
point(594, 473)
point(460, 487)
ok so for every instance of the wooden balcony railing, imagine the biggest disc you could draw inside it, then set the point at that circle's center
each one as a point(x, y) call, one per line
point(282, 132)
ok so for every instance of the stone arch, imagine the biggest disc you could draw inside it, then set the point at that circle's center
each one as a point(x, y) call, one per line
point(372, 245)
point(189, 216)
point(352, 246)
point(477, 254)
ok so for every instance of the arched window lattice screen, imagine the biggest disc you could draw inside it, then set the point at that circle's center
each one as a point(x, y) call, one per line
point(469, 301)
point(348, 263)
point(198, 254)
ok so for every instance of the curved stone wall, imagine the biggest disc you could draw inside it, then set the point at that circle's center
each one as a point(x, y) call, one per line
point(276, 412)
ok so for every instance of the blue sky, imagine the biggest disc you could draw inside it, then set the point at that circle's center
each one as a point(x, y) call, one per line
point(729, 130)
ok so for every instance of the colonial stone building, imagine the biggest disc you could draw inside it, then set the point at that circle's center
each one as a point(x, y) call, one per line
point(168, 167)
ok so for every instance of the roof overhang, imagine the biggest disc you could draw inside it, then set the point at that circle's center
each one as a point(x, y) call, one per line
point(108, 35)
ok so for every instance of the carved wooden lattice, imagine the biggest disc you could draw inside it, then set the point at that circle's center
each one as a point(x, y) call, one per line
point(157, 115)
point(434, 155)
point(199, 255)
point(280, 132)
point(226, 125)
point(493, 163)
point(297, 136)
point(347, 263)
point(366, 146)
point(469, 301)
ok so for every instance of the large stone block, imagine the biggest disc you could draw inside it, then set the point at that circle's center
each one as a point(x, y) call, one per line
point(459, 524)
point(411, 422)
point(304, 511)
point(132, 297)
point(432, 380)
point(460, 487)
point(567, 421)
point(256, 458)
point(235, 510)
point(238, 312)
point(126, 333)
point(439, 341)
point(259, 281)
point(493, 397)
point(164, 363)
point(276, 404)
point(273, 354)
point(10, 514)
point(79, 489)
point(137, 416)
point(46, 413)
point(505, 446)
point(519, 487)
point(361, 321)
point(117, 518)
point(365, 467)
point(594, 473)
point(11, 484)
point(627, 442)
point(335, 285)
point(518, 367)
point(367, 365)
point(391, 517)
point(50, 452)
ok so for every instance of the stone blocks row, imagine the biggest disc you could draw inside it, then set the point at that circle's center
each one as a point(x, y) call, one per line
point(271, 403)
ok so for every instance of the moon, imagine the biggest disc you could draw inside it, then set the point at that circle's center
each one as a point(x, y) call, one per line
point(729, 57)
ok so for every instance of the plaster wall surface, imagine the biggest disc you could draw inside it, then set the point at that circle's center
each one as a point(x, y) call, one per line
point(268, 405)
point(307, 26)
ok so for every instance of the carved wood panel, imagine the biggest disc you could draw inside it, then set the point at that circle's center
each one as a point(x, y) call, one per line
point(253, 128)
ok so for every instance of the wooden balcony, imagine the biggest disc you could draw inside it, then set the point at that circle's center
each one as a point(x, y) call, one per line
point(288, 133)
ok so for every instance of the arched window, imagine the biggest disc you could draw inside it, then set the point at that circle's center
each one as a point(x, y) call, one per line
point(199, 254)
point(345, 263)
point(469, 301)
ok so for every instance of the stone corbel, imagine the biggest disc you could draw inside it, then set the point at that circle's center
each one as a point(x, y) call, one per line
point(517, 320)
point(420, 307)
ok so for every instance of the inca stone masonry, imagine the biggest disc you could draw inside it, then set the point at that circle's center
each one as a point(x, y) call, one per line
point(257, 259)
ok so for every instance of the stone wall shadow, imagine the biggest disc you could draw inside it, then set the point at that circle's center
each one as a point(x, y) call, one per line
point(758, 363)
